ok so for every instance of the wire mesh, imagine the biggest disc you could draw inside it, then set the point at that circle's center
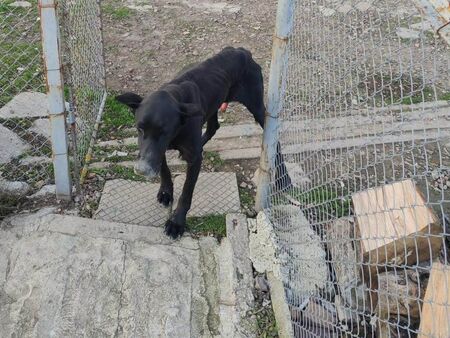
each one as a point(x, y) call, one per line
point(364, 128)
point(84, 70)
point(25, 149)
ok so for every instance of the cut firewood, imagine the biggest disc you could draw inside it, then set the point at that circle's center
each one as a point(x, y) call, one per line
point(435, 317)
point(400, 294)
point(395, 226)
point(346, 262)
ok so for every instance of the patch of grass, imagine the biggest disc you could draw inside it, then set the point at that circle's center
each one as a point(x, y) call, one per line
point(445, 96)
point(31, 174)
point(8, 204)
point(116, 114)
point(427, 94)
point(117, 171)
point(20, 51)
point(213, 158)
point(208, 225)
point(394, 89)
point(118, 13)
point(246, 197)
point(324, 202)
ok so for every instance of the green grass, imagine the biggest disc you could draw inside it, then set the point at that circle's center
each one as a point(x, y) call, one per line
point(213, 158)
point(445, 97)
point(8, 204)
point(118, 13)
point(427, 94)
point(116, 114)
point(208, 225)
point(324, 201)
point(116, 171)
point(29, 173)
point(246, 197)
point(20, 59)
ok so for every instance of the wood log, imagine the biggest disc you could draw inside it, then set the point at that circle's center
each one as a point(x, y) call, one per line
point(435, 316)
point(400, 295)
point(347, 265)
point(395, 226)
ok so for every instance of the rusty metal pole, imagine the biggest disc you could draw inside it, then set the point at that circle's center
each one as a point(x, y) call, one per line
point(55, 97)
point(277, 80)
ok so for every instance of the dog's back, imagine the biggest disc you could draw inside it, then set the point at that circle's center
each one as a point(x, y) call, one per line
point(215, 77)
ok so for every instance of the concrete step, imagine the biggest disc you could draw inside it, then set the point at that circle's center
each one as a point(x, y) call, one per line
point(135, 202)
point(69, 276)
point(242, 141)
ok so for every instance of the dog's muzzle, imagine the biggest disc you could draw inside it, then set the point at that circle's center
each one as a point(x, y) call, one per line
point(143, 168)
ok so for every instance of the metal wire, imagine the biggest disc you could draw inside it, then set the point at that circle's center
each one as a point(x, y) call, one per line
point(25, 149)
point(85, 70)
point(364, 117)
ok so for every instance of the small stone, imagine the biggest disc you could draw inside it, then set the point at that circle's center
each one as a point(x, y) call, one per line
point(406, 33)
point(14, 188)
point(22, 4)
point(45, 191)
point(243, 185)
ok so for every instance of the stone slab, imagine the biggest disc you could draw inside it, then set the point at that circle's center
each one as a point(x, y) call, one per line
point(215, 193)
point(27, 104)
point(42, 127)
point(131, 202)
point(64, 276)
point(11, 145)
point(135, 202)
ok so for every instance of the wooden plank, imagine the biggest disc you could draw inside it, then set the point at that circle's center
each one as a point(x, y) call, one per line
point(435, 315)
point(395, 226)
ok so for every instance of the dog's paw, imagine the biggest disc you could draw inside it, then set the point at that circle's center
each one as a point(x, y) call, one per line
point(173, 229)
point(165, 198)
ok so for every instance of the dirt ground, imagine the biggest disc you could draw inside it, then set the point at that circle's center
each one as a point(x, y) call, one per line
point(147, 43)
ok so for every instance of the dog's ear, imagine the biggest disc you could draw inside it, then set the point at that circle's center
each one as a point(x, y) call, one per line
point(130, 99)
point(190, 110)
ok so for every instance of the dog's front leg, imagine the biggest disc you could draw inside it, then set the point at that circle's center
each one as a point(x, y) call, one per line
point(165, 194)
point(176, 225)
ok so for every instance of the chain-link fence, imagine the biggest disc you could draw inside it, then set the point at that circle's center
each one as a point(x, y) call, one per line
point(25, 127)
point(25, 149)
point(84, 74)
point(363, 125)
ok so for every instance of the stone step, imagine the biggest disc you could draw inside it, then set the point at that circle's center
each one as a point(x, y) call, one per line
point(135, 202)
point(71, 276)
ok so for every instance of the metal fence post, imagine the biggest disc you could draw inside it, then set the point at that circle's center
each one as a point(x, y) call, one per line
point(55, 97)
point(283, 28)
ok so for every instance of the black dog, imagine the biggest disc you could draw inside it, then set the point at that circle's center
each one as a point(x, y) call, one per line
point(173, 116)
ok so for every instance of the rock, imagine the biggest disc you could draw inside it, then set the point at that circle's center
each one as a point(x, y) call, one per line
point(42, 127)
point(243, 185)
point(27, 104)
point(15, 145)
point(288, 265)
point(363, 6)
point(406, 33)
point(45, 191)
point(23, 4)
point(14, 189)
point(32, 160)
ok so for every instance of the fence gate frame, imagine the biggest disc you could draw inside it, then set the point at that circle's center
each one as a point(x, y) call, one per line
point(55, 96)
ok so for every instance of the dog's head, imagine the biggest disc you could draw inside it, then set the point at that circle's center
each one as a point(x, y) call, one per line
point(159, 118)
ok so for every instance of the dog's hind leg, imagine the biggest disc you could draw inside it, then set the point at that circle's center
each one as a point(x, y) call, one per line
point(212, 125)
point(165, 194)
point(255, 105)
